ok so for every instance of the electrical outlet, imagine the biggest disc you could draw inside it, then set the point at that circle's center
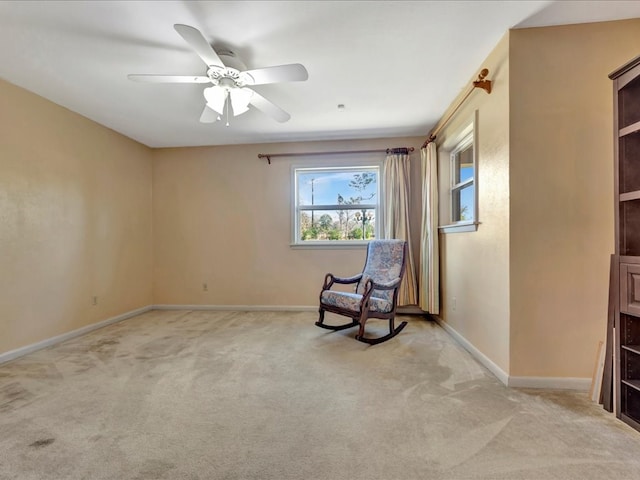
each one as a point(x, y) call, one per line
point(94, 300)
point(454, 304)
point(205, 287)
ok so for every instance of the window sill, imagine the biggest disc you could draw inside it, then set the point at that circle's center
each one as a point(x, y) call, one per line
point(459, 227)
point(329, 245)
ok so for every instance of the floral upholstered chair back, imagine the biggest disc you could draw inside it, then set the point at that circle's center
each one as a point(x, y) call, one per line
point(384, 264)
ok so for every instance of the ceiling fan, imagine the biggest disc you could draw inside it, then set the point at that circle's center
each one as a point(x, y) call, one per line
point(230, 80)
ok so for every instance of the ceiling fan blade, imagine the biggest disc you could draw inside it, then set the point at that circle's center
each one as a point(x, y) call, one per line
point(209, 115)
point(197, 41)
point(168, 78)
point(269, 108)
point(293, 72)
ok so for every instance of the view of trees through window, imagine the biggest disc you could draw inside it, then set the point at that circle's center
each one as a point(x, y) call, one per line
point(337, 204)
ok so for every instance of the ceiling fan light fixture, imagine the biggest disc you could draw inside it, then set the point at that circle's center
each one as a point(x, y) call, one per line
point(216, 97)
point(240, 98)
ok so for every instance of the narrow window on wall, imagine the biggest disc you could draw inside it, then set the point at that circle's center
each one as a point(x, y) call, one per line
point(462, 182)
point(459, 192)
point(336, 205)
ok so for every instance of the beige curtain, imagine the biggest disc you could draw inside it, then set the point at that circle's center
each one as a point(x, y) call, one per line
point(396, 219)
point(429, 279)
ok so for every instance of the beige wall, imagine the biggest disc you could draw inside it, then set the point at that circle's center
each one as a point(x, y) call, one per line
point(531, 284)
point(75, 215)
point(223, 217)
point(562, 192)
point(475, 265)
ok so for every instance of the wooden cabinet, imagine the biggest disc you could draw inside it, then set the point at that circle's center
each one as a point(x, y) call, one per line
point(626, 104)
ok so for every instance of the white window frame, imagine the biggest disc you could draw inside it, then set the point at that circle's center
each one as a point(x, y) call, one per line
point(466, 137)
point(296, 242)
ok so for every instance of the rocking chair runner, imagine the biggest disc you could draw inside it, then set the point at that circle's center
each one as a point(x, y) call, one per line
point(376, 291)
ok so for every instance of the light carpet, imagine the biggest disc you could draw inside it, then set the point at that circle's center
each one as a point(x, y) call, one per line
point(267, 395)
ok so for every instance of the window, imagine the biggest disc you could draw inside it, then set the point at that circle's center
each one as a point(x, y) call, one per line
point(459, 180)
point(462, 182)
point(336, 205)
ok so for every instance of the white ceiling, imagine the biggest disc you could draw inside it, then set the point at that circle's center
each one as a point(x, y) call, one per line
point(395, 65)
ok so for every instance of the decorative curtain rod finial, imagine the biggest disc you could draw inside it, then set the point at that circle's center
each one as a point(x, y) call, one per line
point(481, 82)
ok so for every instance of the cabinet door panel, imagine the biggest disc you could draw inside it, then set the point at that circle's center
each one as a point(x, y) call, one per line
point(630, 288)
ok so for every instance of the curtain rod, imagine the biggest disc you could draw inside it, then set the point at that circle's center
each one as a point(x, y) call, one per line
point(479, 83)
point(387, 151)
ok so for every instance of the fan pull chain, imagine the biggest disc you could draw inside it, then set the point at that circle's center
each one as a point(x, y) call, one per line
point(227, 111)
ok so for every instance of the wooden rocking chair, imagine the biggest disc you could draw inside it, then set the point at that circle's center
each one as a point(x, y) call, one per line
point(376, 291)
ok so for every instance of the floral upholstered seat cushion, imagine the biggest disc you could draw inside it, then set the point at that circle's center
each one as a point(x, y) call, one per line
point(351, 301)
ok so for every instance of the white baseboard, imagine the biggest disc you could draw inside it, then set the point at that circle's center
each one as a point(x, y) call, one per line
point(550, 383)
point(19, 352)
point(240, 308)
point(477, 354)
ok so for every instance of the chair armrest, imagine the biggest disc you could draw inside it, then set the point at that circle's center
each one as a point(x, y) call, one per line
point(330, 279)
point(387, 286)
point(370, 286)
